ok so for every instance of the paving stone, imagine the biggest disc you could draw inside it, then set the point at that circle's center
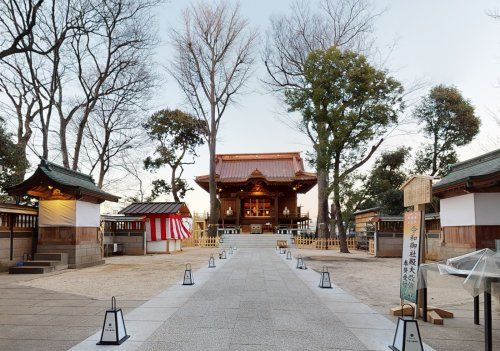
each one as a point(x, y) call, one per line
point(255, 301)
point(25, 345)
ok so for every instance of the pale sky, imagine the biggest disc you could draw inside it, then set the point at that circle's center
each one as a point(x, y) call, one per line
point(446, 41)
point(436, 42)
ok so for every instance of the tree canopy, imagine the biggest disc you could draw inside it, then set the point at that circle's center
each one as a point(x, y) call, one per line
point(177, 135)
point(349, 103)
point(13, 163)
point(448, 121)
point(378, 188)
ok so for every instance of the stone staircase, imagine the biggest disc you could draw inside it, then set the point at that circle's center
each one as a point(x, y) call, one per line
point(253, 240)
point(43, 263)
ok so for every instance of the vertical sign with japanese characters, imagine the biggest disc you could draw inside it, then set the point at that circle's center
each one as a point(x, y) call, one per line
point(410, 260)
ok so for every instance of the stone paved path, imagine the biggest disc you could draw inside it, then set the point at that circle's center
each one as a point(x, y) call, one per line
point(39, 319)
point(255, 301)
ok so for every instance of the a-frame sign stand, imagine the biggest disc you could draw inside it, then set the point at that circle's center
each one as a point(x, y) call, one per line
point(417, 193)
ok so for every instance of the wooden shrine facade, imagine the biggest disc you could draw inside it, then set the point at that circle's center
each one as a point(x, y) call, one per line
point(260, 190)
point(470, 205)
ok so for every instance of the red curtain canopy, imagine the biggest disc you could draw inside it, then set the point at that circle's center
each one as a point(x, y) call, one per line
point(166, 227)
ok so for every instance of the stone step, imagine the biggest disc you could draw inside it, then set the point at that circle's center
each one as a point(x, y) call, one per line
point(31, 269)
point(41, 263)
point(52, 256)
point(60, 267)
point(253, 240)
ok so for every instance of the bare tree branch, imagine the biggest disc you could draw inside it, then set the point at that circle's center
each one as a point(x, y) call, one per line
point(212, 64)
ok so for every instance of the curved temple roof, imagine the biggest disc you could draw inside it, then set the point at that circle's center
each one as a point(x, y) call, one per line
point(483, 167)
point(285, 168)
point(50, 176)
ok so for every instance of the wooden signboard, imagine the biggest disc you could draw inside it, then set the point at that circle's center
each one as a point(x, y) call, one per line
point(417, 190)
point(411, 254)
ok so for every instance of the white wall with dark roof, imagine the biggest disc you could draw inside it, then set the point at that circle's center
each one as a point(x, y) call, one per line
point(471, 209)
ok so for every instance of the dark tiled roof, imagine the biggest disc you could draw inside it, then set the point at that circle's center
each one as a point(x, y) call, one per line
point(389, 218)
point(72, 181)
point(68, 177)
point(372, 209)
point(478, 167)
point(142, 208)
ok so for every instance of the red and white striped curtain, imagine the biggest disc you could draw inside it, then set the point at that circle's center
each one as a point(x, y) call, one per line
point(165, 228)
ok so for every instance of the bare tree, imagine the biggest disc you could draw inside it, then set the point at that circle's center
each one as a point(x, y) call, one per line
point(212, 63)
point(118, 41)
point(30, 79)
point(111, 133)
point(346, 24)
point(17, 22)
point(130, 166)
point(20, 100)
point(95, 78)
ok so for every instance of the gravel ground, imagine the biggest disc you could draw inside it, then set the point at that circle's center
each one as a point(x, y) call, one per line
point(375, 282)
point(126, 277)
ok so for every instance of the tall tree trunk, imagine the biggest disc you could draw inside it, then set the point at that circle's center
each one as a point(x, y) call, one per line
point(322, 170)
point(23, 145)
point(322, 222)
point(173, 184)
point(62, 138)
point(338, 216)
point(45, 140)
point(212, 185)
point(79, 139)
point(102, 174)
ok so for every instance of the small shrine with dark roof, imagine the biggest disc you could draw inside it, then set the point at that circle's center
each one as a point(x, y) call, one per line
point(258, 192)
point(470, 205)
point(68, 213)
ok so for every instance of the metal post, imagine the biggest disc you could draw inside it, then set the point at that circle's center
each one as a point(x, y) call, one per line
point(488, 344)
point(476, 310)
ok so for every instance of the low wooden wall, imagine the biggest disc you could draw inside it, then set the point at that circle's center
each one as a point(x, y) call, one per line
point(389, 244)
point(18, 235)
point(456, 241)
point(130, 234)
point(322, 243)
point(203, 241)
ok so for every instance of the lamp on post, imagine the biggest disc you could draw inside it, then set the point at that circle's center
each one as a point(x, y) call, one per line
point(286, 213)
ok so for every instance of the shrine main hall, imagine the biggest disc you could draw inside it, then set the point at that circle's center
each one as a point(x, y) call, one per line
point(258, 192)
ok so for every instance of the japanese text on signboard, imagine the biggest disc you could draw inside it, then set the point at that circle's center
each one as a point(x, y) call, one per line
point(410, 258)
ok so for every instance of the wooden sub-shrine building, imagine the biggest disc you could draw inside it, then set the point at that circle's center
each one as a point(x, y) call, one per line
point(258, 192)
point(470, 205)
point(68, 216)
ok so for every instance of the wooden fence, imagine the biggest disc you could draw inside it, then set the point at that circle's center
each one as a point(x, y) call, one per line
point(203, 241)
point(322, 243)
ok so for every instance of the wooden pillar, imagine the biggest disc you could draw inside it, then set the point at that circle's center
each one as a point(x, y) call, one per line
point(422, 294)
point(276, 211)
point(12, 221)
point(238, 210)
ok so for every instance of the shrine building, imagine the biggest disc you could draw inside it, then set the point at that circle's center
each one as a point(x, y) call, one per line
point(470, 206)
point(258, 192)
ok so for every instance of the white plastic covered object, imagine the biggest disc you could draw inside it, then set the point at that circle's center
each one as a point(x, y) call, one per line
point(68, 213)
point(479, 268)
